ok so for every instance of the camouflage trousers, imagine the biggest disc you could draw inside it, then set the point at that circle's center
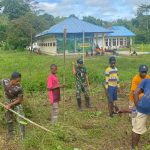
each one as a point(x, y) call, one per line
point(79, 89)
point(9, 118)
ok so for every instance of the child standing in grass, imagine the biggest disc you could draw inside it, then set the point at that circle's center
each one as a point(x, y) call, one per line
point(112, 85)
point(53, 88)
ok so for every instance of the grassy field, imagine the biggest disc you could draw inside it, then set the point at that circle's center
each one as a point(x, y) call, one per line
point(88, 130)
point(138, 48)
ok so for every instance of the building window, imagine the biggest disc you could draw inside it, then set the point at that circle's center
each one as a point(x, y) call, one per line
point(54, 44)
point(125, 42)
point(114, 42)
point(117, 42)
point(106, 40)
point(109, 42)
point(128, 43)
point(50, 44)
point(121, 42)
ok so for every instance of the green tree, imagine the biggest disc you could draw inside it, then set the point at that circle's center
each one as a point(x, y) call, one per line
point(73, 15)
point(23, 29)
point(90, 19)
point(143, 9)
point(49, 19)
point(143, 22)
point(95, 21)
point(59, 19)
point(15, 8)
point(4, 23)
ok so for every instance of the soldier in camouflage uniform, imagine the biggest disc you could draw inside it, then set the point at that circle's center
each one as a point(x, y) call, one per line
point(13, 98)
point(81, 83)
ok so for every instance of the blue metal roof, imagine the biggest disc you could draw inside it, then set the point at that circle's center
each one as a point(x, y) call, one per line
point(74, 25)
point(120, 31)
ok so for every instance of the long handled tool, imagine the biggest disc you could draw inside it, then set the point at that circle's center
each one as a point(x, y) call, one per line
point(28, 120)
point(64, 74)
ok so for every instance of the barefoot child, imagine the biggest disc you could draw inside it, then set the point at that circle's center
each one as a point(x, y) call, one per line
point(53, 88)
point(112, 85)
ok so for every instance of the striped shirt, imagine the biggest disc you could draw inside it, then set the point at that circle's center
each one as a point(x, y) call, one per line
point(111, 77)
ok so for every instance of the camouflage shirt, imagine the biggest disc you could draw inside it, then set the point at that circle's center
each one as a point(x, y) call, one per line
point(81, 74)
point(11, 91)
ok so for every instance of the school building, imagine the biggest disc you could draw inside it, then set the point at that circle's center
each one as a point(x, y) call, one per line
point(82, 36)
point(120, 37)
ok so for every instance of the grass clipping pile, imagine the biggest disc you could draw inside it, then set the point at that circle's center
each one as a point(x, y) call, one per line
point(67, 133)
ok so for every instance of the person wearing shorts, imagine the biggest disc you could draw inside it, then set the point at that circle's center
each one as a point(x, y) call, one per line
point(112, 85)
point(143, 70)
point(143, 111)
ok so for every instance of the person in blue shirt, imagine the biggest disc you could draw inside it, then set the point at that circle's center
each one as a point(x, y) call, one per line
point(143, 111)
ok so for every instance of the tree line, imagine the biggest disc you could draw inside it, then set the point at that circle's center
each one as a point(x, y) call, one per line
point(21, 20)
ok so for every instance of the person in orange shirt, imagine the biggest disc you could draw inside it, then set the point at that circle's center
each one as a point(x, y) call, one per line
point(143, 69)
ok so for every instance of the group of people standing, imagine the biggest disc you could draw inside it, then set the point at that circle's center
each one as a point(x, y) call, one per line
point(139, 97)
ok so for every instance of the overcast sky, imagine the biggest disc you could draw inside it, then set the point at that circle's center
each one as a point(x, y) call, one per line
point(104, 9)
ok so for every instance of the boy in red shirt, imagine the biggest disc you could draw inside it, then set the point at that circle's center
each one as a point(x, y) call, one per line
point(53, 88)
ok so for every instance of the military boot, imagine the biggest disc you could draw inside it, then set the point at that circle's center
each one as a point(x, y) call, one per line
point(79, 104)
point(87, 102)
point(22, 131)
point(10, 130)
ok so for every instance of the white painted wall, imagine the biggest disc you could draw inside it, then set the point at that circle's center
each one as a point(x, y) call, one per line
point(50, 48)
point(98, 40)
point(118, 39)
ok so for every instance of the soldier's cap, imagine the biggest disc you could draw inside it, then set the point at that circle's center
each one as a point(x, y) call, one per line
point(80, 61)
point(143, 68)
point(112, 59)
point(15, 75)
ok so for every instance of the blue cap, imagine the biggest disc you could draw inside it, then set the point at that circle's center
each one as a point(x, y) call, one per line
point(143, 68)
point(79, 61)
point(112, 59)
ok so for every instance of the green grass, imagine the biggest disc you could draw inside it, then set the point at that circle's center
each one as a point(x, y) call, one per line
point(88, 130)
point(35, 68)
point(138, 48)
point(142, 47)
